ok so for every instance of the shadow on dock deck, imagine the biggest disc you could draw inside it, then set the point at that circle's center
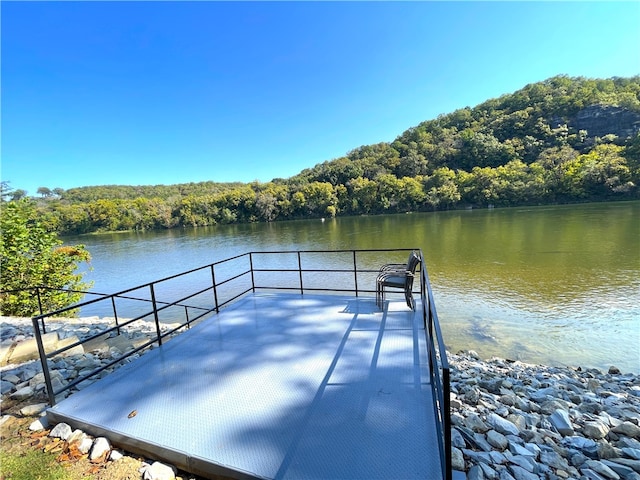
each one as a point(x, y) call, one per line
point(277, 386)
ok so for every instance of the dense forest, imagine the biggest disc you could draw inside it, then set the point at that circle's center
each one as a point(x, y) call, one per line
point(557, 141)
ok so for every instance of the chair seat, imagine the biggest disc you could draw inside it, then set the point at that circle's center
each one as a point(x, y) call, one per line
point(395, 281)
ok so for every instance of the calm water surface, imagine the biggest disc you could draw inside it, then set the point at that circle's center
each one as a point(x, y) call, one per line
point(555, 285)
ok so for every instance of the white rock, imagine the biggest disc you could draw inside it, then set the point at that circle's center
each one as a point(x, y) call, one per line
point(77, 436)
point(35, 409)
point(100, 447)
point(115, 455)
point(40, 424)
point(159, 471)
point(85, 445)
point(61, 430)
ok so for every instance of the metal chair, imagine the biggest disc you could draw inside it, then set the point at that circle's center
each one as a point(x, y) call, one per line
point(400, 276)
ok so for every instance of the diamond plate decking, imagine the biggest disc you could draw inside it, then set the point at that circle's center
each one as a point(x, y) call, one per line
point(277, 386)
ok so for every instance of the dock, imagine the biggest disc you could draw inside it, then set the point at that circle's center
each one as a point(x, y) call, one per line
point(277, 386)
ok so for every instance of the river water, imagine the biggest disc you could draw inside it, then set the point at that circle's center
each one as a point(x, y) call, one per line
point(557, 285)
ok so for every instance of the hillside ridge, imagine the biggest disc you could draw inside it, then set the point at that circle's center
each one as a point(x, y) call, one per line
point(565, 139)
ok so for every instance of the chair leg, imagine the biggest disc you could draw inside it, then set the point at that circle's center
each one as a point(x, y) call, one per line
point(410, 301)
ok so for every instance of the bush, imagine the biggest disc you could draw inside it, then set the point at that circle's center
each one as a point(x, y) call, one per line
point(30, 257)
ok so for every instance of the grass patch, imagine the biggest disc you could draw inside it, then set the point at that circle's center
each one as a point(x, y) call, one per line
point(31, 465)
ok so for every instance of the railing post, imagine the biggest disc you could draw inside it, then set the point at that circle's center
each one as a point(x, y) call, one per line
point(215, 291)
point(43, 361)
point(447, 422)
point(155, 313)
point(115, 314)
point(44, 328)
point(253, 280)
point(355, 272)
point(300, 273)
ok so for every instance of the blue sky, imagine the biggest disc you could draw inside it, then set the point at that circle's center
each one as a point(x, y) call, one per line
point(144, 93)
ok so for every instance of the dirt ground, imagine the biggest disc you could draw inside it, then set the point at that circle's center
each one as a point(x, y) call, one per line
point(17, 438)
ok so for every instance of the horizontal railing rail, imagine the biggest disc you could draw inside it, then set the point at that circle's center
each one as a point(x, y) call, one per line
point(214, 286)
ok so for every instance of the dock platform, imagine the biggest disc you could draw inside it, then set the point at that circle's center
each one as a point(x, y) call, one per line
point(277, 386)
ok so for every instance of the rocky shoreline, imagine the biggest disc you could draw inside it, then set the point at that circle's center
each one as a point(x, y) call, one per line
point(510, 420)
point(513, 420)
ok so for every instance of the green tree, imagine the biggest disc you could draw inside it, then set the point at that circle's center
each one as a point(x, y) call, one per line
point(441, 188)
point(45, 191)
point(33, 257)
point(601, 172)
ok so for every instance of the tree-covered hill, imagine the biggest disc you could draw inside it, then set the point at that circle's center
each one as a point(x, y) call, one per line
point(562, 140)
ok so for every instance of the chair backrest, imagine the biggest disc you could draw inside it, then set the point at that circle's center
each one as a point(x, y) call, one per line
point(414, 260)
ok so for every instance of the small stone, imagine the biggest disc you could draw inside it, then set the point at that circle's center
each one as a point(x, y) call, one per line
point(61, 430)
point(5, 386)
point(588, 474)
point(553, 459)
point(85, 445)
point(579, 443)
point(614, 370)
point(520, 450)
point(601, 469)
point(39, 424)
point(457, 459)
point(528, 463)
point(497, 440)
point(505, 475)
point(472, 396)
point(595, 430)
point(115, 455)
point(561, 422)
point(501, 425)
point(627, 428)
point(475, 423)
point(16, 379)
point(631, 452)
point(31, 410)
point(100, 449)
point(488, 472)
point(634, 464)
point(77, 437)
point(159, 471)
point(621, 470)
point(23, 393)
point(520, 473)
point(457, 440)
point(475, 473)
